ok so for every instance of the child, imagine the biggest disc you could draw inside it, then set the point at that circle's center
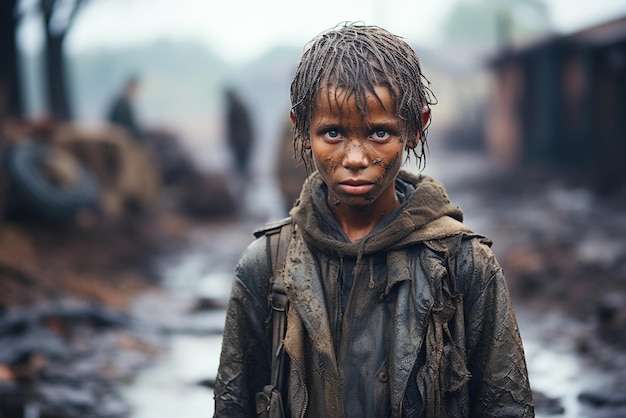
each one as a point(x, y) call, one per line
point(395, 308)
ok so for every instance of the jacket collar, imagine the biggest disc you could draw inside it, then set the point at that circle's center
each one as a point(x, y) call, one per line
point(426, 201)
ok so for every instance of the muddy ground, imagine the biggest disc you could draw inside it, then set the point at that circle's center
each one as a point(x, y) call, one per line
point(69, 338)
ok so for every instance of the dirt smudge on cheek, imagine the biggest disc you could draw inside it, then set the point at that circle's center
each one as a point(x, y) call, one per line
point(328, 166)
point(393, 163)
point(380, 162)
point(387, 166)
point(333, 165)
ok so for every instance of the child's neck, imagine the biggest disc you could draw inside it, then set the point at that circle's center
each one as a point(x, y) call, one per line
point(357, 222)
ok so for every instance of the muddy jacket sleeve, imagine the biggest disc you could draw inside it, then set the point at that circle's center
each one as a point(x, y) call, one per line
point(499, 386)
point(244, 361)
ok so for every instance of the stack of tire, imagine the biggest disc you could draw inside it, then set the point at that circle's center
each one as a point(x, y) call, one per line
point(45, 184)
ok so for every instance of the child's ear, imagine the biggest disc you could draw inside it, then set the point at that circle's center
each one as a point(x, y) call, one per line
point(412, 143)
point(425, 116)
point(292, 116)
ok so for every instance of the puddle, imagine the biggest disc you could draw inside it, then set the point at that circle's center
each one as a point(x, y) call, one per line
point(559, 370)
point(203, 271)
point(170, 388)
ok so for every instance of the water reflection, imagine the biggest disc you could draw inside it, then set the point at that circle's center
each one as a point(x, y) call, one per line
point(170, 388)
point(556, 367)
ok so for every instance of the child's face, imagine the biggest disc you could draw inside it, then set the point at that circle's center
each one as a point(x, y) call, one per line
point(358, 156)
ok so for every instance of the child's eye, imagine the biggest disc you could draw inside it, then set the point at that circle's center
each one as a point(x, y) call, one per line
point(332, 134)
point(380, 135)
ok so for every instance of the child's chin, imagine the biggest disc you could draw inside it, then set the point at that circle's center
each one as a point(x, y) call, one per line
point(358, 202)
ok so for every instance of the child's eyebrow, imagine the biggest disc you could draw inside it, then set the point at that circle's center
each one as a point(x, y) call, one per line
point(385, 121)
point(328, 122)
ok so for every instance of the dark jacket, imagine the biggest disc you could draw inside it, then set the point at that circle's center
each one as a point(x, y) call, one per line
point(414, 320)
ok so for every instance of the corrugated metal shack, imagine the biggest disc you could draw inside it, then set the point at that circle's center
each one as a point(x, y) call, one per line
point(562, 102)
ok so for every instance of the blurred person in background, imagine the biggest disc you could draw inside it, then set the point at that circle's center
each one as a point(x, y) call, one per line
point(240, 135)
point(121, 111)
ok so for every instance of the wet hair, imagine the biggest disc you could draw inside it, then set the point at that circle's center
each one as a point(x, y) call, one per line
point(356, 58)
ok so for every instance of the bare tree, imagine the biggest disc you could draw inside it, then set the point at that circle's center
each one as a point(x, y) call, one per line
point(58, 17)
point(10, 95)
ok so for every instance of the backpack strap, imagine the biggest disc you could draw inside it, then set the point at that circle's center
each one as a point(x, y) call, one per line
point(278, 237)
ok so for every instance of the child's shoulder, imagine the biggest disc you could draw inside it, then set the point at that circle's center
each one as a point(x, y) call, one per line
point(273, 227)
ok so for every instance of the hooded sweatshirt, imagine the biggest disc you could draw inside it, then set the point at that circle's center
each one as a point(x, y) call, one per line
point(412, 320)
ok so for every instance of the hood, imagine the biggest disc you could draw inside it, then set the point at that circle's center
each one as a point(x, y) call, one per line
point(426, 214)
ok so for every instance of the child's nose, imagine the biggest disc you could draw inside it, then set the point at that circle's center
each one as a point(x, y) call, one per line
point(355, 156)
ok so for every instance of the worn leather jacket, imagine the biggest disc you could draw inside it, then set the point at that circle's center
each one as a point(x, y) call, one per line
point(424, 329)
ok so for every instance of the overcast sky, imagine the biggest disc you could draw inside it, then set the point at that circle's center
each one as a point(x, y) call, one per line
point(240, 30)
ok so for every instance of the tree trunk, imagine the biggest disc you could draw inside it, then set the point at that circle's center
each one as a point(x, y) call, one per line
point(54, 66)
point(57, 88)
point(11, 102)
